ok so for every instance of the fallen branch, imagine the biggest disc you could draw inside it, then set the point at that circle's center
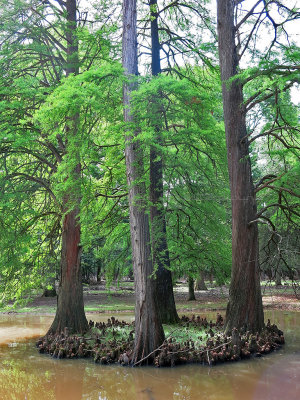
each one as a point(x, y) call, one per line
point(154, 351)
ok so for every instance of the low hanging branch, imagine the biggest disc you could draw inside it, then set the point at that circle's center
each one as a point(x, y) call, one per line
point(258, 186)
point(290, 208)
point(281, 189)
point(107, 196)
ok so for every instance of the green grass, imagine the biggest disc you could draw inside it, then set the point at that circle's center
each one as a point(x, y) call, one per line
point(109, 307)
point(270, 291)
point(272, 283)
point(108, 292)
point(29, 309)
point(210, 306)
point(51, 309)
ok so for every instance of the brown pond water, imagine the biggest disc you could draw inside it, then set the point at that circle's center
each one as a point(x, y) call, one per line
point(26, 374)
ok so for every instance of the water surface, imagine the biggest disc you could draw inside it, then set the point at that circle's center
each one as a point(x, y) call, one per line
point(26, 374)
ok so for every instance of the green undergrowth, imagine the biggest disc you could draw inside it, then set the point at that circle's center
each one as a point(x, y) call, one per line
point(115, 335)
point(192, 335)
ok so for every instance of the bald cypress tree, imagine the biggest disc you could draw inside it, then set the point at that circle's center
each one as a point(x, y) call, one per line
point(149, 333)
point(70, 308)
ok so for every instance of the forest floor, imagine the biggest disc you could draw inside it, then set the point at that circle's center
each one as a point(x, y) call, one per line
point(120, 298)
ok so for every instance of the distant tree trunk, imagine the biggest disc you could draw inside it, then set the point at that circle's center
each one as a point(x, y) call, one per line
point(269, 274)
point(278, 278)
point(70, 308)
point(191, 285)
point(245, 301)
point(200, 284)
point(98, 274)
point(149, 333)
point(130, 275)
point(160, 252)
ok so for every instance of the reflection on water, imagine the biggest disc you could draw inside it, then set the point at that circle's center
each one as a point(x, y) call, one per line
point(25, 374)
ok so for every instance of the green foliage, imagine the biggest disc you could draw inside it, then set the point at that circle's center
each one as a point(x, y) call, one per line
point(193, 150)
point(116, 334)
point(274, 124)
point(37, 172)
point(188, 334)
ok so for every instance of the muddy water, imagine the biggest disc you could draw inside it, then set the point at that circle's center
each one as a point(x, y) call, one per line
point(25, 374)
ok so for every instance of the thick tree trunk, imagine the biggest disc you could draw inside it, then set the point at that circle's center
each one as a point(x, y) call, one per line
point(200, 284)
point(191, 285)
point(70, 308)
point(149, 333)
point(160, 252)
point(245, 302)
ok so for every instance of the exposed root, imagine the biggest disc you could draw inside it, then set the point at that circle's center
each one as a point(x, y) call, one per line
point(113, 342)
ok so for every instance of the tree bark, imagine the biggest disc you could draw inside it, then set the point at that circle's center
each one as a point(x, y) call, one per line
point(70, 308)
point(200, 284)
point(98, 274)
point(149, 334)
point(160, 252)
point(191, 285)
point(245, 302)
point(278, 278)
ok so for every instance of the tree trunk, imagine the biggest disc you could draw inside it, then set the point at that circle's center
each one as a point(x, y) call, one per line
point(70, 307)
point(191, 284)
point(149, 333)
point(278, 278)
point(98, 273)
point(245, 302)
point(200, 284)
point(160, 252)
